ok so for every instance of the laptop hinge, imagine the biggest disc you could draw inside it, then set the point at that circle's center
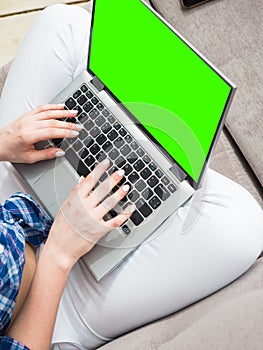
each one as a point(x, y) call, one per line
point(179, 173)
point(98, 84)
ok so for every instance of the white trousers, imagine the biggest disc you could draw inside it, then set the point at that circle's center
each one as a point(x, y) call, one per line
point(209, 242)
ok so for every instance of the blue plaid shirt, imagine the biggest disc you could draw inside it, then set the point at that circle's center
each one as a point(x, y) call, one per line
point(21, 220)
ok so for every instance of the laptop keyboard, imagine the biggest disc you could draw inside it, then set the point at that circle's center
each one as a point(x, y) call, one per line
point(104, 137)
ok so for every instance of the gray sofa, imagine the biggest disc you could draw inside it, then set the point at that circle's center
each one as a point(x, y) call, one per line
point(228, 33)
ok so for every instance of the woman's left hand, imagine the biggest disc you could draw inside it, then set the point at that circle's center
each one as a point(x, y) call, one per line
point(17, 139)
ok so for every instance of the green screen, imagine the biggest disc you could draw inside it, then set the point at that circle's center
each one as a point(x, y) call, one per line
point(170, 90)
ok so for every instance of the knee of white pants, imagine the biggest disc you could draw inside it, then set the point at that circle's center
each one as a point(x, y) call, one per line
point(241, 218)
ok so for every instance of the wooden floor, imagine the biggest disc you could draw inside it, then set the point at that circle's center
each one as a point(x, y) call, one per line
point(16, 17)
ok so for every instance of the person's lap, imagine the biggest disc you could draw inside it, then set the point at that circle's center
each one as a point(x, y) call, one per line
point(206, 244)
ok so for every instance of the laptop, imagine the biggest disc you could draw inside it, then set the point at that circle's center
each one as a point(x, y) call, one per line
point(151, 104)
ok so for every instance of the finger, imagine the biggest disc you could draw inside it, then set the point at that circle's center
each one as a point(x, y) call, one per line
point(48, 107)
point(121, 218)
point(50, 133)
point(85, 186)
point(58, 124)
point(105, 187)
point(45, 154)
point(56, 114)
point(111, 201)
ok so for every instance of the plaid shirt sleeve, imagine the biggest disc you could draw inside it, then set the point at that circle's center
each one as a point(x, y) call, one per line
point(21, 220)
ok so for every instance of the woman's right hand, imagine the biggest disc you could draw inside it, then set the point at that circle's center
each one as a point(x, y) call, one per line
point(79, 223)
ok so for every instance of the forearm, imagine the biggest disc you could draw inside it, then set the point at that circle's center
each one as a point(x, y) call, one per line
point(40, 309)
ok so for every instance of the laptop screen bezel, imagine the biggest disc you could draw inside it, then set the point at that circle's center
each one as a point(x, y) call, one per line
point(192, 182)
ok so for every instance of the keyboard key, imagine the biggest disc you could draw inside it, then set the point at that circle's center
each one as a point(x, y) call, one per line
point(106, 128)
point(165, 180)
point(162, 192)
point(114, 153)
point(82, 99)
point(134, 145)
point(112, 135)
point(152, 166)
point(89, 124)
point(57, 142)
point(84, 88)
point(117, 126)
point(112, 170)
point(172, 188)
point(122, 132)
point(79, 109)
point(111, 119)
point(100, 106)
point(94, 113)
point(100, 120)
point(140, 152)
point(152, 181)
point(77, 94)
point(77, 145)
point(132, 157)
point(103, 176)
point(145, 173)
point(94, 100)
point(70, 103)
point(120, 161)
point(125, 150)
point(83, 117)
point(88, 141)
point(119, 142)
point(101, 139)
point(89, 94)
point(143, 207)
point(138, 165)
point(101, 156)
point(82, 169)
point(146, 159)
point(159, 173)
point(133, 177)
point(105, 112)
point(154, 202)
point(126, 229)
point(83, 153)
point(88, 106)
point(95, 132)
point(107, 146)
point(140, 185)
point(72, 157)
point(94, 149)
point(128, 138)
point(127, 168)
point(82, 134)
point(147, 193)
point(89, 160)
point(133, 196)
point(136, 218)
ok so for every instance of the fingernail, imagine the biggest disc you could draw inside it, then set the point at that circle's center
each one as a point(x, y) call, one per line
point(81, 179)
point(125, 188)
point(74, 132)
point(59, 154)
point(61, 105)
point(73, 111)
point(121, 172)
point(79, 126)
point(105, 162)
point(130, 208)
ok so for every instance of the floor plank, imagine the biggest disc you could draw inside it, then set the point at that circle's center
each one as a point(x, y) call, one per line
point(13, 6)
point(13, 30)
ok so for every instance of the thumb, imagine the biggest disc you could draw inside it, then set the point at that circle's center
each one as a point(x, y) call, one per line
point(45, 154)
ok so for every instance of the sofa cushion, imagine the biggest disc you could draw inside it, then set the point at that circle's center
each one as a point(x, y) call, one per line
point(230, 318)
point(229, 34)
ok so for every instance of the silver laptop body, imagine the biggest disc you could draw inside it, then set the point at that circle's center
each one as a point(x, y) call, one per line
point(52, 181)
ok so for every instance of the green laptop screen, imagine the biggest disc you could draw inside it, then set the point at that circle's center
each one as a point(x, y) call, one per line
point(175, 95)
